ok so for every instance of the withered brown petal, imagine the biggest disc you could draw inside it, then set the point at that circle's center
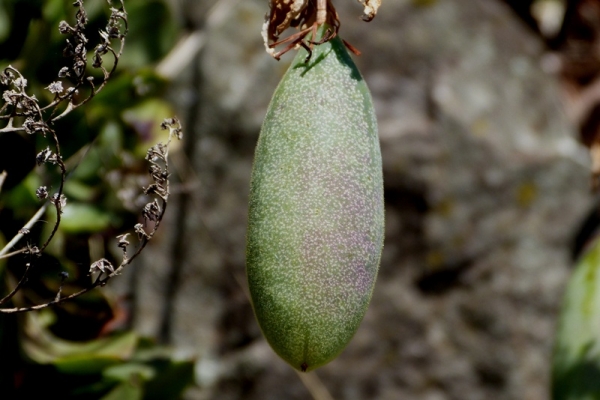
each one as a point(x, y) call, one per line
point(370, 10)
point(282, 15)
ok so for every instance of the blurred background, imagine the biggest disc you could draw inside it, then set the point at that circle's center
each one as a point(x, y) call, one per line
point(489, 114)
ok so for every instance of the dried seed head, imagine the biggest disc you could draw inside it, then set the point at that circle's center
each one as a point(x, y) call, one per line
point(42, 192)
point(139, 229)
point(174, 127)
point(45, 156)
point(33, 250)
point(152, 211)
point(20, 83)
point(64, 72)
point(29, 125)
point(102, 266)
point(59, 201)
point(64, 27)
point(55, 87)
point(11, 97)
point(123, 242)
point(6, 77)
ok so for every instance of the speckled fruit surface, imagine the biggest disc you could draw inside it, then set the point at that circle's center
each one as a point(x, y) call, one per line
point(316, 213)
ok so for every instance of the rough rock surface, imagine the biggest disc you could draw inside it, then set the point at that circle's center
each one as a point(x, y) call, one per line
point(485, 188)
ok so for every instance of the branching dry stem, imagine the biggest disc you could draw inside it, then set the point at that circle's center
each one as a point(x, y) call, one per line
point(21, 112)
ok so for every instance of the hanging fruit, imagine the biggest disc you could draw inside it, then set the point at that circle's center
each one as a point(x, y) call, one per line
point(316, 215)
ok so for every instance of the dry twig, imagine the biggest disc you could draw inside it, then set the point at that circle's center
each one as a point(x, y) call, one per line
point(22, 112)
point(152, 215)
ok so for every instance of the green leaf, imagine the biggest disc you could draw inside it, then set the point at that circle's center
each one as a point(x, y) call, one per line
point(124, 372)
point(576, 363)
point(54, 11)
point(112, 98)
point(171, 381)
point(125, 391)
point(145, 119)
point(21, 199)
point(4, 22)
point(41, 346)
point(76, 190)
point(89, 168)
point(80, 217)
point(85, 364)
point(151, 35)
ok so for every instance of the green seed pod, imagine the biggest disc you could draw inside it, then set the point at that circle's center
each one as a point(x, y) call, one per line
point(315, 229)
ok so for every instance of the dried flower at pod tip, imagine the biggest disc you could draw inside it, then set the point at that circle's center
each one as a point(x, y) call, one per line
point(371, 7)
point(306, 15)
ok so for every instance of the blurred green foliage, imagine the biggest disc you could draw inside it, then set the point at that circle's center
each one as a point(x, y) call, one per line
point(576, 364)
point(82, 350)
point(122, 366)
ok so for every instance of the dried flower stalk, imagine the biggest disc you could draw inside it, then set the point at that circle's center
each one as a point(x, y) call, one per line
point(21, 112)
point(152, 216)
